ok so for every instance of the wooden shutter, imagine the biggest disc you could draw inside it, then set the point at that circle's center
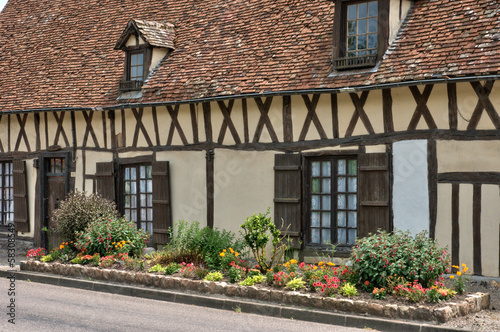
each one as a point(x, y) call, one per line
point(21, 213)
point(161, 202)
point(374, 191)
point(288, 195)
point(105, 180)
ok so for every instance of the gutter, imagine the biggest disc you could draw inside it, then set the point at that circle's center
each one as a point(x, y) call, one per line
point(267, 94)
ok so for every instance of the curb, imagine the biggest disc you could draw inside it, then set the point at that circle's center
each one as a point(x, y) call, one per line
point(246, 306)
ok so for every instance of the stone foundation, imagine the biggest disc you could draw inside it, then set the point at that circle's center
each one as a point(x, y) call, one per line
point(473, 303)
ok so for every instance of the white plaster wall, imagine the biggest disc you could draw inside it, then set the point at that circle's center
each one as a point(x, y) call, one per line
point(490, 229)
point(158, 54)
point(31, 175)
point(410, 190)
point(244, 186)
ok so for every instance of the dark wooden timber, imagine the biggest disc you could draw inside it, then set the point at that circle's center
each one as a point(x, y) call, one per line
point(210, 156)
point(22, 132)
point(89, 129)
point(37, 132)
point(359, 112)
point(1, 145)
point(124, 129)
point(455, 225)
point(452, 105)
point(174, 111)
point(484, 103)
point(20, 188)
point(208, 122)
point(104, 129)
point(287, 119)
point(311, 116)
point(387, 110)
point(421, 109)
point(73, 135)
point(8, 133)
point(228, 122)
point(244, 107)
point(335, 115)
point(264, 120)
point(111, 117)
point(194, 122)
point(470, 177)
point(155, 124)
point(432, 170)
point(46, 125)
point(476, 229)
point(140, 127)
point(60, 128)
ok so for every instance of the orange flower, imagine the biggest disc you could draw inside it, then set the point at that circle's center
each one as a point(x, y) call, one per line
point(459, 273)
point(222, 254)
point(452, 276)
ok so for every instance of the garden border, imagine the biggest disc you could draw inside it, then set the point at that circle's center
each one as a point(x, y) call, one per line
point(473, 302)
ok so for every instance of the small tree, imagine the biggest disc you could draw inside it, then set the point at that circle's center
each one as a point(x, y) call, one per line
point(77, 211)
point(258, 230)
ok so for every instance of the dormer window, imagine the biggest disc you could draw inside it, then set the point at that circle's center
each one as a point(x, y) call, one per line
point(146, 43)
point(361, 29)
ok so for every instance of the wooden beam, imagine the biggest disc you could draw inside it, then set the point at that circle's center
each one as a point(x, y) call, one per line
point(455, 225)
point(311, 116)
point(264, 120)
point(140, 127)
point(210, 156)
point(432, 170)
point(208, 122)
point(470, 177)
point(194, 122)
point(335, 115)
point(387, 110)
point(421, 109)
point(359, 112)
point(228, 122)
point(174, 112)
point(476, 229)
point(244, 107)
point(287, 119)
point(484, 102)
point(452, 105)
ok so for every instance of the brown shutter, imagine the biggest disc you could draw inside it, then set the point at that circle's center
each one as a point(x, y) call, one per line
point(105, 180)
point(374, 190)
point(287, 195)
point(161, 202)
point(21, 213)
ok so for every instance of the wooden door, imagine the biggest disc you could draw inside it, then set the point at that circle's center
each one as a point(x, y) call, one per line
point(55, 190)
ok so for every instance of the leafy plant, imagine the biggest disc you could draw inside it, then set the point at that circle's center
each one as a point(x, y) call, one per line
point(399, 255)
point(295, 283)
point(349, 290)
point(157, 268)
point(90, 259)
point(111, 235)
point(214, 276)
point(259, 229)
point(234, 274)
point(436, 294)
point(459, 283)
point(379, 293)
point(76, 260)
point(414, 292)
point(107, 261)
point(172, 268)
point(252, 280)
point(50, 257)
point(201, 272)
point(77, 211)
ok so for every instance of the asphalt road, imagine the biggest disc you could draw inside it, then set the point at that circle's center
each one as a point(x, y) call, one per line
point(40, 307)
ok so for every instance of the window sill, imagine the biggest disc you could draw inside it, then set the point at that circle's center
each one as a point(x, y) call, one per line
point(126, 86)
point(340, 251)
point(356, 62)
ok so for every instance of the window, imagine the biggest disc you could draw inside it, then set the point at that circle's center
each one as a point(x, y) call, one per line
point(135, 69)
point(361, 29)
point(136, 66)
point(138, 195)
point(333, 200)
point(6, 193)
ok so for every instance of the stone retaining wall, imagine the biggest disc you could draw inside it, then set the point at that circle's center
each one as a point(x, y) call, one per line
point(473, 303)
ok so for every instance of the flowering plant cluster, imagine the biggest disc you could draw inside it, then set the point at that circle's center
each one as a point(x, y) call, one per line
point(379, 293)
point(107, 261)
point(459, 284)
point(36, 253)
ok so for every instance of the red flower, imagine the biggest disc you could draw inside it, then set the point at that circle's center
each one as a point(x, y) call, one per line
point(367, 283)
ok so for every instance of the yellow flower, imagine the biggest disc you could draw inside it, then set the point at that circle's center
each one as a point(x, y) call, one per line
point(61, 246)
point(293, 261)
point(466, 269)
point(315, 267)
point(452, 276)
point(231, 250)
point(224, 250)
point(463, 264)
point(330, 264)
point(222, 254)
point(456, 267)
point(236, 254)
point(321, 263)
point(459, 273)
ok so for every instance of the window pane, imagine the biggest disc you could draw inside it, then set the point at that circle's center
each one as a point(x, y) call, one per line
point(1, 167)
point(127, 173)
point(362, 42)
point(133, 215)
point(326, 168)
point(341, 219)
point(315, 169)
point(341, 202)
point(315, 186)
point(362, 10)
point(139, 72)
point(341, 184)
point(127, 187)
point(341, 167)
point(133, 72)
point(353, 167)
point(352, 216)
point(133, 202)
point(133, 173)
point(351, 43)
point(148, 172)
point(373, 8)
point(133, 188)
point(143, 172)
point(140, 59)
point(341, 235)
point(326, 186)
point(351, 202)
point(315, 202)
point(352, 236)
point(150, 186)
point(326, 237)
point(326, 203)
point(133, 59)
point(143, 214)
point(142, 188)
point(127, 214)
point(326, 219)
point(150, 214)
point(372, 41)
point(150, 228)
point(143, 199)
point(372, 25)
point(150, 200)
point(352, 185)
point(362, 24)
point(143, 226)
point(351, 12)
point(315, 222)
point(315, 235)
point(127, 201)
point(351, 28)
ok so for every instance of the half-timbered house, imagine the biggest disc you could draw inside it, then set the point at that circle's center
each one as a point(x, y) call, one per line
point(342, 116)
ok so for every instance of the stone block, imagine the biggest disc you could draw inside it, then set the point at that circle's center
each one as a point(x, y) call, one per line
point(442, 315)
point(276, 295)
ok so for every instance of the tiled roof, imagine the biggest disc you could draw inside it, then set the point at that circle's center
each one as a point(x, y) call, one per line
point(60, 53)
point(154, 33)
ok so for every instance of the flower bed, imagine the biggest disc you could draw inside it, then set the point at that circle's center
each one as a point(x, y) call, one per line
point(440, 312)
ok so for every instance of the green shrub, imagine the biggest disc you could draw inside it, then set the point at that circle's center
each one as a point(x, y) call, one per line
point(172, 268)
point(50, 257)
point(348, 290)
point(157, 268)
point(76, 260)
point(381, 255)
point(77, 211)
point(205, 242)
point(234, 274)
point(214, 276)
point(170, 254)
point(295, 284)
point(258, 230)
point(111, 235)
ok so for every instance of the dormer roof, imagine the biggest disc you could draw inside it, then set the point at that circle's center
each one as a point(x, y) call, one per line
point(153, 33)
